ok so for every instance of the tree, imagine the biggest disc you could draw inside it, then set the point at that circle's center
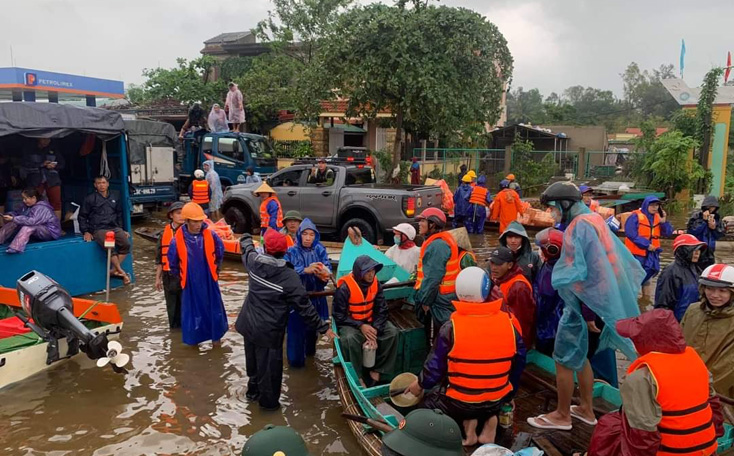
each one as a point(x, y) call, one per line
point(670, 165)
point(436, 69)
point(189, 82)
point(526, 169)
point(525, 107)
point(645, 93)
point(705, 112)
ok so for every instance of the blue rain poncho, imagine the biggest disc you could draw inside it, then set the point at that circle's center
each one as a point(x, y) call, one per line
point(461, 203)
point(596, 269)
point(212, 177)
point(202, 311)
point(302, 341)
point(651, 261)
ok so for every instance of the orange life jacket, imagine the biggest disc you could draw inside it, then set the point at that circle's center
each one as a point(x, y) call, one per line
point(594, 205)
point(479, 196)
point(360, 306)
point(166, 239)
point(289, 242)
point(265, 215)
point(506, 286)
point(453, 268)
point(682, 382)
point(479, 366)
point(646, 231)
point(200, 191)
point(209, 254)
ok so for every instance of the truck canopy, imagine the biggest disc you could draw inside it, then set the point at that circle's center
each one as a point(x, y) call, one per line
point(144, 133)
point(53, 120)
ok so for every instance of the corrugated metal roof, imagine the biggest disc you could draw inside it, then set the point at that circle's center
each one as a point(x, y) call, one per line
point(229, 37)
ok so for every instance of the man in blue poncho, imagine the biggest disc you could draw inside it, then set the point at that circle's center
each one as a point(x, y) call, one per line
point(707, 226)
point(595, 269)
point(643, 230)
point(461, 201)
point(195, 255)
point(311, 261)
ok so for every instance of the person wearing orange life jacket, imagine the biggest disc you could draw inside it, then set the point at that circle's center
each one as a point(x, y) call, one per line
point(271, 213)
point(643, 230)
point(516, 289)
point(292, 220)
point(360, 313)
point(476, 375)
point(587, 194)
point(479, 201)
point(194, 256)
point(171, 286)
point(438, 266)
point(199, 190)
point(506, 206)
point(669, 406)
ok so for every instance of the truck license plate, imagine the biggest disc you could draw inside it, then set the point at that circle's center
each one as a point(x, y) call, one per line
point(138, 209)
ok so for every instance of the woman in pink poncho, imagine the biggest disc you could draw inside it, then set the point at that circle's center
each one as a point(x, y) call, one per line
point(235, 106)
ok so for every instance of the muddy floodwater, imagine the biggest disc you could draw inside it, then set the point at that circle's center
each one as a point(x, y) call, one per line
point(175, 399)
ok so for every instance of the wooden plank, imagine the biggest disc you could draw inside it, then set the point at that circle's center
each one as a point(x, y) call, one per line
point(548, 448)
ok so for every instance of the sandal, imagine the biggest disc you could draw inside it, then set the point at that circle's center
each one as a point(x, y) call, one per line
point(542, 422)
point(582, 418)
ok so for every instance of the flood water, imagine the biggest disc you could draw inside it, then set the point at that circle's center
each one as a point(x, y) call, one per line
point(175, 399)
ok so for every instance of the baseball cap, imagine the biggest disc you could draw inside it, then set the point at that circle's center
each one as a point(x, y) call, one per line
point(501, 255)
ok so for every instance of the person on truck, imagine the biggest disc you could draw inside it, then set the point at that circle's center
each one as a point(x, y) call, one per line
point(199, 190)
point(438, 267)
point(36, 220)
point(361, 314)
point(322, 175)
point(170, 285)
point(271, 213)
point(40, 168)
point(311, 261)
point(217, 120)
point(196, 122)
point(235, 106)
point(477, 374)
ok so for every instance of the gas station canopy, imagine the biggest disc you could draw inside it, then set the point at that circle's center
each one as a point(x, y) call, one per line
point(24, 84)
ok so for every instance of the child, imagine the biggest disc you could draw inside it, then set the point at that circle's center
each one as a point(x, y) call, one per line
point(36, 220)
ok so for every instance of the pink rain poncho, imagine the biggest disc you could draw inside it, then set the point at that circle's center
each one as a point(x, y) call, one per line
point(217, 120)
point(596, 269)
point(235, 105)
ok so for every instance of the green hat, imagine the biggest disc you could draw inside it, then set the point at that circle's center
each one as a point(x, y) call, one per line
point(293, 215)
point(275, 441)
point(428, 433)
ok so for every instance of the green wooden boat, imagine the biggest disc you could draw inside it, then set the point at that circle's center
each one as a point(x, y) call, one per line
point(536, 394)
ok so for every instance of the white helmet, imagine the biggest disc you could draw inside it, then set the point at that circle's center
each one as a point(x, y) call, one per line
point(718, 276)
point(199, 174)
point(472, 285)
point(407, 229)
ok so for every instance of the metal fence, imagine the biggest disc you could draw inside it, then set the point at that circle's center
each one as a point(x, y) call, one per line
point(559, 163)
point(445, 164)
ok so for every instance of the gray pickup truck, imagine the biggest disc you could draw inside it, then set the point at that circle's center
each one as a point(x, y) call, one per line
point(352, 198)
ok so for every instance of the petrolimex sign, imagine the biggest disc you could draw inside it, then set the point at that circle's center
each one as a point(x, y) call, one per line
point(32, 80)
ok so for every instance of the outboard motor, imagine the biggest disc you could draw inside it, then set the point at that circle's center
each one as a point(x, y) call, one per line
point(52, 311)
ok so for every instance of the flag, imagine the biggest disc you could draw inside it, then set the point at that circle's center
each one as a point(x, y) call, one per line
point(682, 56)
point(728, 67)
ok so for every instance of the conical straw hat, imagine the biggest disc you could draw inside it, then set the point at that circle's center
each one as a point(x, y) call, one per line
point(264, 188)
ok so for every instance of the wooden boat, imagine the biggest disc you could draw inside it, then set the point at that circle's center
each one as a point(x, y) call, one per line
point(23, 353)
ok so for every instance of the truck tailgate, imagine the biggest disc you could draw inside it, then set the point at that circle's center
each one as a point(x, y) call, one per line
point(429, 196)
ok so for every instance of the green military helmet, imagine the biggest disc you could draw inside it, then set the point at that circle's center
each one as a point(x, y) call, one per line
point(275, 441)
point(427, 433)
point(293, 215)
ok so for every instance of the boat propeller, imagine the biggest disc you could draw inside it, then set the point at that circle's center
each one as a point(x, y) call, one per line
point(114, 356)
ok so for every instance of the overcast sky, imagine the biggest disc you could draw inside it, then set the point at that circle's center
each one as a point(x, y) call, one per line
point(555, 43)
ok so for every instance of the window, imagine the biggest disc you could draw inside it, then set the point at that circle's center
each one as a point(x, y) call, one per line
point(230, 147)
point(358, 176)
point(206, 145)
point(287, 179)
point(322, 180)
point(259, 148)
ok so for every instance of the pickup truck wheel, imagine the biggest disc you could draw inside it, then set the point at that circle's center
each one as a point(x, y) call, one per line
point(368, 231)
point(238, 220)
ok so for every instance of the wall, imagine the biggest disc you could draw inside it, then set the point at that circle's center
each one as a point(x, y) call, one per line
point(592, 138)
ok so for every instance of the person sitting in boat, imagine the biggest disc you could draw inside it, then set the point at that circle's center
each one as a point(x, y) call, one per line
point(311, 261)
point(170, 285)
point(643, 230)
point(708, 325)
point(199, 190)
point(101, 212)
point(548, 302)
point(669, 405)
point(516, 238)
point(195, 256)
point(707, 226)
point(587, 194)
point(479, 201)
point(36, 220)
point(275, 295)
point(506, 206)
point(477, 374)
point(438, 266)
point(275, 441)
point(360, 313)
point(271, 213)
point(677, 286)
point(424, 433)
point(292, 220)
point(461, 201)
point(516, 289)
point(595, 269)
point(405, 253)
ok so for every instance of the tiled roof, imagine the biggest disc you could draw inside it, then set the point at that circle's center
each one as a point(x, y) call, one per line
point(227, 37)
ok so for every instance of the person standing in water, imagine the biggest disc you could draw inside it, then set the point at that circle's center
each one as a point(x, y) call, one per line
point(170, 285)
point(194, 256)
point(215, 185)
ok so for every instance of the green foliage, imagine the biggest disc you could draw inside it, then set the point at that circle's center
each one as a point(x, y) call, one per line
point(384, 158)
point(530, 173)
point(235, 67)
point(437, 69)
point(189, 82)
point(704, 112)
point(525, 107)
point(669, 165)
point(685, 122)
point(645, 92)
point(293, 149)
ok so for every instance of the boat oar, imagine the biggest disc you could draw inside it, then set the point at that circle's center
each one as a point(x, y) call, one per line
point(408, 283)
point(375, 424)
